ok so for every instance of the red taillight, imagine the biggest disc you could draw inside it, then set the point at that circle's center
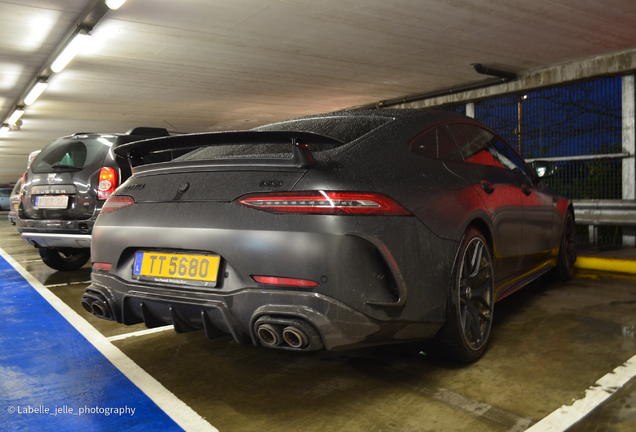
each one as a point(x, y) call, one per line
point(107, 183)
point(102, 266)
point(270, 280)
point(116, 202)
point(22, 184)
point(325, 203)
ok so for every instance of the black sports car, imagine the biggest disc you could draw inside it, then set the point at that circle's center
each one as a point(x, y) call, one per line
point(334, 231)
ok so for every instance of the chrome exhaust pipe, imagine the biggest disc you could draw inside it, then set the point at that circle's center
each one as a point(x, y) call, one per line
point(99, 311)
point(295, 337)
point(87, 306)
point(95, 302)
point(269, 335)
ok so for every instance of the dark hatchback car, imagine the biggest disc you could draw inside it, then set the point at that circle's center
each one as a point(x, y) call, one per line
point(64, 189)
point(337, 231)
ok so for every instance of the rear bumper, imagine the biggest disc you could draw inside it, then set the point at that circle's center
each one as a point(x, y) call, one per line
point(338, 326)
point(57, 240)
point(56, 233)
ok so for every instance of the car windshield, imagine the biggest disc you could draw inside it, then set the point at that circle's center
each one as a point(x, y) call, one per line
point(5, 192)
point(342, 128)
point(72, 154)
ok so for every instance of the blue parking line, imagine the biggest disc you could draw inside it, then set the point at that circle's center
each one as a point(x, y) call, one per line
point(52, 378)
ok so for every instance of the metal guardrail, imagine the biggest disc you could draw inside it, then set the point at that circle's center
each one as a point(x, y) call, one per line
point(604, 212)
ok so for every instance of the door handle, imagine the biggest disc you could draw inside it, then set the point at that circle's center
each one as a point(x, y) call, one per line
point(487, 187)
point(526, 190)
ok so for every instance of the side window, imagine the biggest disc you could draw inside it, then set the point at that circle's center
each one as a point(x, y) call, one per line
point(474, 144)
point(509, 158)
point(437, 144)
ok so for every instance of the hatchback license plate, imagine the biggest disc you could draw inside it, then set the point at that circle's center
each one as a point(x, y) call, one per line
point(51, 202)
point(177, 268)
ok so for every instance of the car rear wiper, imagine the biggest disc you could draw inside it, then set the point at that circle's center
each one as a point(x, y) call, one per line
point(65, 167)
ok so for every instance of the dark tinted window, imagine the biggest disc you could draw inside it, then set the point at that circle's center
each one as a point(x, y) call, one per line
point(437, 144)
point(345, 129)
point(509, 158)
point(5, 192)
point(474, 143)
point(72, 154)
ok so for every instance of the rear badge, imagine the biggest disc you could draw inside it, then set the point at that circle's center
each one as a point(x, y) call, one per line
point(184, 187)
point(271, 183)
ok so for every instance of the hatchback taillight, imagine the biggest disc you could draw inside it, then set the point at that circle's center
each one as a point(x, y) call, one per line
point(325, 203)
point(107, 183)
point(116, 202)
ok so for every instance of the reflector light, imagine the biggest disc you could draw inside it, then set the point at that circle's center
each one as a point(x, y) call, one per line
point(116, 202)
point(107, 183)
point(270, 280)
point(102, 266)
point(326, 203)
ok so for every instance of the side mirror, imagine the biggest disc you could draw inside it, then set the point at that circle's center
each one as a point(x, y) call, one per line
point(544, 169)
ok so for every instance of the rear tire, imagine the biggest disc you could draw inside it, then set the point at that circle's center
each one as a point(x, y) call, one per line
point(567, 250)
point(65, 259)
point(470, 305)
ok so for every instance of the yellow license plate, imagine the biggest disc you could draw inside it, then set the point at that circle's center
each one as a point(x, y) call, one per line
point(176, 267)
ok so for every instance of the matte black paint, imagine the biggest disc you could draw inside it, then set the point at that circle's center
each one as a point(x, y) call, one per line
point(387, 277)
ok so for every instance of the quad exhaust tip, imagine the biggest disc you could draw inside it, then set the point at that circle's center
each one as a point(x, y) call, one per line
point(270, 335)
point(95, 303)
point(287, 333)
point(295, 337)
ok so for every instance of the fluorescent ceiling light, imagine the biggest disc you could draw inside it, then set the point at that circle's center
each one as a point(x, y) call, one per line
point(35, 92)
point(71, 50)
point(4, 129)
point(15, 116)
point(115, 4)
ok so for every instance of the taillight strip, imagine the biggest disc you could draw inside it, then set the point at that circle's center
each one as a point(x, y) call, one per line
point(115, 202)
point(325, 202)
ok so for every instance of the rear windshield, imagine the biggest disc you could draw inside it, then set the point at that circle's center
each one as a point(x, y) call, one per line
point(72, 154)
point(5, 192)
point(345, 129)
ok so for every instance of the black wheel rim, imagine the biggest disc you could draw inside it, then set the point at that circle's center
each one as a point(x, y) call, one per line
point(476, 294)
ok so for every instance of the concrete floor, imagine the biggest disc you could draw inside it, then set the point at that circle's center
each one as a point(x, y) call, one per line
point(550, 342)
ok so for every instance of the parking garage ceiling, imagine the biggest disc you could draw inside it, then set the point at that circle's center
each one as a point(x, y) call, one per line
point(209, 65)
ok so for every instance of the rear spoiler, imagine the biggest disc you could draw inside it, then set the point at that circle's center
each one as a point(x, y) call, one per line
point(301, 156)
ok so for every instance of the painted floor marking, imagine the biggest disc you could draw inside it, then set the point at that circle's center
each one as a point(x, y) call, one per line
point(566, 416)
point(139, 333)
point(67, 283)
point(175, 408)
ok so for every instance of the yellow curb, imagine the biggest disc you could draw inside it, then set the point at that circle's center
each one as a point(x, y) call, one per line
point(606, 264)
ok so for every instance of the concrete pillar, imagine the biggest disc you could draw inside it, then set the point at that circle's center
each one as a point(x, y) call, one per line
point(470, 109)
point(629, 146)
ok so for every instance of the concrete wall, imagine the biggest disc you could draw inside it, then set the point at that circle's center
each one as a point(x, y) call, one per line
point(619, 63)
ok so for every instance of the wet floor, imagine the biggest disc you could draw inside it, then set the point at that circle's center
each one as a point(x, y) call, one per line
point(550, 342)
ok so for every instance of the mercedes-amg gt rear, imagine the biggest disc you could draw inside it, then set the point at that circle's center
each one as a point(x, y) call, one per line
point(336, 231)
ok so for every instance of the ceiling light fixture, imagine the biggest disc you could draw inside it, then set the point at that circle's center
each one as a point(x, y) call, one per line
point(115, 4)
point(4, 129)
point(13, 118)
point(71, 50)
point(35, 92)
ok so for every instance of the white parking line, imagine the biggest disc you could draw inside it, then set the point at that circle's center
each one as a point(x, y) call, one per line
point(139, 333)
point(566, 416)
point(174, 407)
point(68, 283)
